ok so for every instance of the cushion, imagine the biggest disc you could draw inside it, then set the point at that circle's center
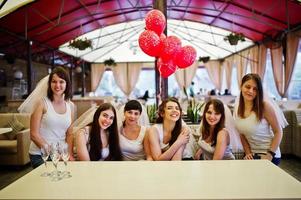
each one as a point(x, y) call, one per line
point(16, 126)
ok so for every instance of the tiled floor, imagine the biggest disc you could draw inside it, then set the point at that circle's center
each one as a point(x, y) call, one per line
point(10, 174)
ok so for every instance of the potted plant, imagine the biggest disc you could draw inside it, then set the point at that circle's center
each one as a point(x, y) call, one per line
point(233, 38)
point(151, 113)
point(193, 111)
point(110, 62)
point(80, 44)
point(204, 59)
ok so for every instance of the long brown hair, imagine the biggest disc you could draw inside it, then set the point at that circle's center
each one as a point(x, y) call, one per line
point(63, 74)
point(218, 107)
point(95, 139)
point(258, 100)
point(178, 127)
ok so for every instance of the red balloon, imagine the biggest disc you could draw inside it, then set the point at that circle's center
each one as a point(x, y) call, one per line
point(185, 57)
point(171, 46)
point(166, 68)
point(155, 21)
point(150, 43)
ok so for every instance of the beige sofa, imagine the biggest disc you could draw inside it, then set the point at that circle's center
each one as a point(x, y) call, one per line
point(14, 151)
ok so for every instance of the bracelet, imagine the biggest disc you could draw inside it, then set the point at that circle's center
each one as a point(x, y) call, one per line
point(272, 153)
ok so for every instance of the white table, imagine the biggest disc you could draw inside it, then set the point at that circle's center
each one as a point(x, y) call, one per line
point(5, 130)
point(236, 179)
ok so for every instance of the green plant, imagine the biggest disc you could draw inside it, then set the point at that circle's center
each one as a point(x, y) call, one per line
point(193, 111)
point(204, 59)
point(151, 113)
point(110, 62)
point(233, 38)
point(80, 44)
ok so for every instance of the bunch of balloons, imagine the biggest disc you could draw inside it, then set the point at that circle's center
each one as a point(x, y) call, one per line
point(168, 50)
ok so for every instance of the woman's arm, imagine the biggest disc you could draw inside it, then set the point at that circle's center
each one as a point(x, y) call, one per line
point(270, 116)
point(35, 123)
point(146, 145)
point(81, 145)
point(69, 136)
point(246, 146)
point(222, 141)
point(156, 149)
point(178, 154)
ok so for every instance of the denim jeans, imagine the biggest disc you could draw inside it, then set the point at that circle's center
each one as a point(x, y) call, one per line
point(36, 160)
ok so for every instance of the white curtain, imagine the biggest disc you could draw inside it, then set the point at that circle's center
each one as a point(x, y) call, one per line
point(184, 76)
point(97, 71)
point(126, 76)
point(215, 72)
point(228, 64)
point(278, 69)
point(241, 64)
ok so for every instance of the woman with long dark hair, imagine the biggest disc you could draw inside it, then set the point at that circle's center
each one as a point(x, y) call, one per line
point(167, 138)
point(52, 115)
point(214, 141)
point(99, 140)
point(258, 121)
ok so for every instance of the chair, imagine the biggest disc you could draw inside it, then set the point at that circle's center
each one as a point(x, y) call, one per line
point(14, 151)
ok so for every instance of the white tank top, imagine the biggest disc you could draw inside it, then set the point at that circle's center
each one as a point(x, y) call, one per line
point(163, 146)
point(259, 134)
point(208, 151)
point(132, 149)
point(53, 126)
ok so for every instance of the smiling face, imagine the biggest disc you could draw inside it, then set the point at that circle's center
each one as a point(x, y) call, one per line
point(106, 118)
point(58, 85)
point(131, 117)
point(249, 90)
point(171, 111)
point(212, 117)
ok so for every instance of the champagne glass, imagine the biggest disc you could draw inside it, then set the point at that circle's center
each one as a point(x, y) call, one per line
point(45, 152)
point(65, 157)
point(55, 158)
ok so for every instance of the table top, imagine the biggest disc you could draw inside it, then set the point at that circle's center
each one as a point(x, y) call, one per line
point(235, 179)
point(5, 130)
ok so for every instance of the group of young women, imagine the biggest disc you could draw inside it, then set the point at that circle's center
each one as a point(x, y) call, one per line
point(168, 139)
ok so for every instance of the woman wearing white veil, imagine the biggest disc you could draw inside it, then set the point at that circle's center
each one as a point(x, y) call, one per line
point(255, 115)
point(52, 114)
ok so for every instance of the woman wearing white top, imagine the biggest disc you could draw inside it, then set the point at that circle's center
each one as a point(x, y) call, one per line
point(168, 138)
point(132, 134)
point(99, 140)
point(51, 119)
point(214, 141)
point(254, 118)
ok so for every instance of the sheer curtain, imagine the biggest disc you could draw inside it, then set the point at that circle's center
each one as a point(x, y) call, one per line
point(258, 56)
point(215, 72)
point(292, 44)
point(228, 64)
point(97, 71)
point(278, 69)
point(241, 64)
point(184, 76)
point(126, 76)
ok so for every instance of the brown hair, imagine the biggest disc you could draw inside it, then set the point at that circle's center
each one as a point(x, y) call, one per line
point(178, 127)
point(63, 74)
point(258, 100)
point(113, 139)
point(218, 107)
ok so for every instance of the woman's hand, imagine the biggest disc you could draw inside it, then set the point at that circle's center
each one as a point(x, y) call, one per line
point(248, 156)
point(198, 154)
point(183, 137)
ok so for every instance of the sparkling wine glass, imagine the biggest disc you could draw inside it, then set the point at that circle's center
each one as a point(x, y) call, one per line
point(45, 152)
point(65, 156)
point(55, 158)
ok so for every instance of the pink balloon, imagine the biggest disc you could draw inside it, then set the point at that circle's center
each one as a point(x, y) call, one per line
point(155, 21)
point(166, 68)
point(150, 43)
point(171, 46)
point(185, 56)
